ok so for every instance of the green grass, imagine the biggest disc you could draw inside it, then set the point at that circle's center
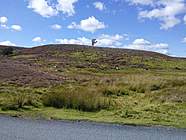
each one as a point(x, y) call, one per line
point(84, 99)
point(150, 98)
point(107, 116)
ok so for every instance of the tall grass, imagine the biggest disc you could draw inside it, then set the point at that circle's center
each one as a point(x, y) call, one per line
point(83, 99)
point(147, 83)
point(14, 99)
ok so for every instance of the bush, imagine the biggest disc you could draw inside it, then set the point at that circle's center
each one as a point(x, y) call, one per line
point(7, 51)
point(81, 99)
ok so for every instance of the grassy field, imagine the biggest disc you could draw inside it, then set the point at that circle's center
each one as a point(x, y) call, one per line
point(112, 86)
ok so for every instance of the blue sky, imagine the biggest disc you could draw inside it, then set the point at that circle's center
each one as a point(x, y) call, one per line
point(153, 25)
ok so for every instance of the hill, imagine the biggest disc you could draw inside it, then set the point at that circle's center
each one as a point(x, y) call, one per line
point(48, 64)
point(117, 85)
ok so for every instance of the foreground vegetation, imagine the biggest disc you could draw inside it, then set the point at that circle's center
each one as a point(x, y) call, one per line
point(118, 88)
point(145, 98)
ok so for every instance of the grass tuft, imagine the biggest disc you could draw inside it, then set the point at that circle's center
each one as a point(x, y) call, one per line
point(83, 99)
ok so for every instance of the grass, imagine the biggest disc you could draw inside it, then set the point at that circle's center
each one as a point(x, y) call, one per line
point(106, 116)
point(144, 99)
point(84, 99)
point(86, 56)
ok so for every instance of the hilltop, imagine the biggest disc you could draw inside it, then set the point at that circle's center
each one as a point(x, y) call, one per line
point(93, 83)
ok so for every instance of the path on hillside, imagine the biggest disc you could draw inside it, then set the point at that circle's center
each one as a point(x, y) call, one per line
point(25, 129)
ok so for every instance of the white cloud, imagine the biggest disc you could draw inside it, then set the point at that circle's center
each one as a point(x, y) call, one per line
point(42, 7)
point(16, 27)
point(90, 25)
point(142, 2)
point(104, 40)
point(3, 20)
point(184, 19)
point(4, 26)
point(79, 41)
point(142, 44)
point(38, 39)
point(7, 43)
point(99, 5)
point(47, 8)
point(66, 6)
point(56, 27)
point(110, 40)
point(166, 11)
point(184, 40)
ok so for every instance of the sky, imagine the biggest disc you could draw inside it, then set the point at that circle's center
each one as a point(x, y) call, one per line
point(152, 25)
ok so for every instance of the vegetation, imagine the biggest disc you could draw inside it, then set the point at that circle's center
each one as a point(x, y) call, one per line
point(94, 84)
point(7, 51)
point(81, 99)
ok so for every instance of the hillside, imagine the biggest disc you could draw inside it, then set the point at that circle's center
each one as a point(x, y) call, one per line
point(116, 85)
point(51, 64)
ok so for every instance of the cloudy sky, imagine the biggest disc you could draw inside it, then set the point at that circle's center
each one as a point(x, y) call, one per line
point(153, 25)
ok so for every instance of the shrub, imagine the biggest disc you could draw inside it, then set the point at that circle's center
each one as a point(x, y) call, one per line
point(7, 51)
point(81, 99)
